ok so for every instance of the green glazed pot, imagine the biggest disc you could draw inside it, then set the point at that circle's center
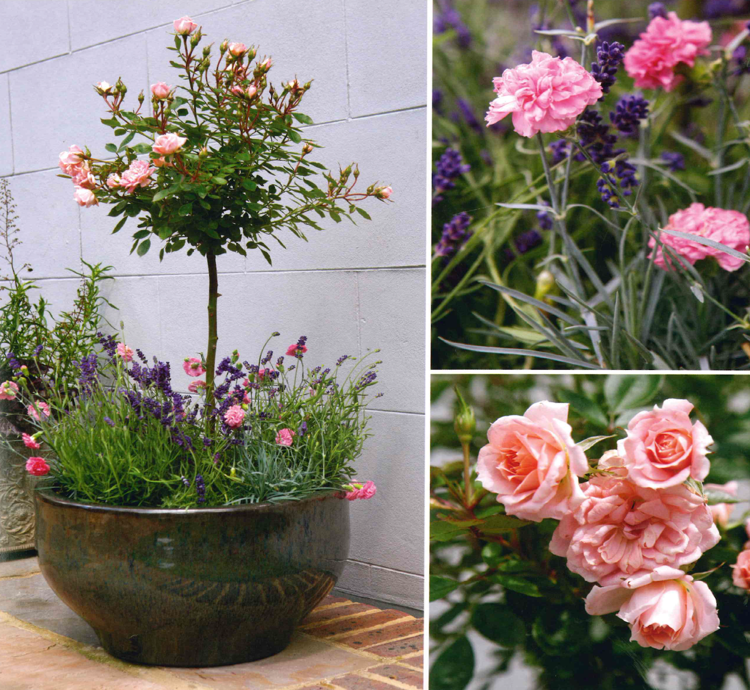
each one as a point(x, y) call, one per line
point(198, 587)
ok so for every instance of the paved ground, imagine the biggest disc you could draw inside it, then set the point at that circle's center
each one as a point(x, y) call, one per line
point(343, 645)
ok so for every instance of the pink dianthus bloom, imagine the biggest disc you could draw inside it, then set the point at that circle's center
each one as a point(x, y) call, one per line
point(8, 390)
point(726, 227)
point(533, 464)
point(125, 352)
point(37, 466)
point(42, 406)
point(30, 442)
point(667, 42)
point(285, 437)
point(196, 386)
point(234, 416)
point(361, 491)
point(545, 95)
point(296, 350)
point(137, 175)
point(167, 144)
point(193, 366)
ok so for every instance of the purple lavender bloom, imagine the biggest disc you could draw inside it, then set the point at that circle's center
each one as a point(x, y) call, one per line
point(37, 350)
point(455, 234)
point(13, 363)
point(447, 169)
point(544, 218)
point(526, 241)
point(185, 481)
point(302, 429)
point(595, 137)
point(109, 421)
point(437, 100)
point(559, 150)
point(605, 186)
point(449, 18)
point(609, 57)
point(717, 9)
point(629, 111)
point(341, 360)
point(467, 112)
point(108, 343)
point(657, 9)
point(675, 161)
point(200, 488)
point(626, 175)
point(267, 358)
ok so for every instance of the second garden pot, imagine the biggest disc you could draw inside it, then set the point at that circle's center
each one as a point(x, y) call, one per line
point(198, 587)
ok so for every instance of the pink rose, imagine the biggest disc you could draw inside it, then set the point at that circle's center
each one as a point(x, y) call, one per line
point(741, 570)
point(285, 437)
point(265, 65)
point(237, 90)
point(85, 197)
point(37, 466)
point(251, 90)
point(546, 95)
point(237, 49)
point(30, 442)
point(621, 528)
point(665, 608)
point(184, 26)
point(160, 90)
point(43, 407)
point(663, 447)
point(8, 390)
point(722, 511)
point(193, 366)
point(196, 386)
point(726, 227)
point(531, 462)
point(113, 181)
point(103, 87)
point(167, 144)
point(137, 175)
point(125, 352)
point(385, 193)
point(667, 42)
point(234, 416)
point(84, 178)
point(71, 161)
point(361, 491)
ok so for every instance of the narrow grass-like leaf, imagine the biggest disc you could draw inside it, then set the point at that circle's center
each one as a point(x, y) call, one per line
point(522, 353)
point(522, 296)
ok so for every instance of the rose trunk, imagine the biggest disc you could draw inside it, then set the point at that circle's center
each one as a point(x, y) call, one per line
point(213, 338)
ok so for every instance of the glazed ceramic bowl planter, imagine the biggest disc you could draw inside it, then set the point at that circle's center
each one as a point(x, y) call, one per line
point(196, 587)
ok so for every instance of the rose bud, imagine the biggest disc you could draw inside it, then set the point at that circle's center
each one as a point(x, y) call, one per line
point(184, 26)
point(251, 91)
point(85, 197)
point(160, 90)
point(103, 88)
point(265, 66)
point(224, 46)
point(383, 192)
point(237, 49)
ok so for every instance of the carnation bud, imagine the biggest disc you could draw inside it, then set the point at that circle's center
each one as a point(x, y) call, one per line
point(465, 423)
point(203, 152)
point(251, 91)
point(265, 66)
point(545, 281)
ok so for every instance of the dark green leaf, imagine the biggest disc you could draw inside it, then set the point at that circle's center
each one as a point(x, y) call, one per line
point(498, 623)
point(626, 391)
point(501, 523)
point(518, 584)
point(111, 148)
point(440, 530)
point(454, 668)
point(143, 247)
point(441, 587)
point(584, 406)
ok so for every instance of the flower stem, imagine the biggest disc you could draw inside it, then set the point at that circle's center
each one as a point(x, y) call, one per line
point(467, 475)
point(213, 338)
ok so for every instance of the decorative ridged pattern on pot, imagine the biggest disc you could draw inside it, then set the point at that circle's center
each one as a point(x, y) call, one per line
point(203, 587)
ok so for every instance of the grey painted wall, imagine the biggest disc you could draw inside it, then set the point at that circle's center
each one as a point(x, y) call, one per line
point(349, 289)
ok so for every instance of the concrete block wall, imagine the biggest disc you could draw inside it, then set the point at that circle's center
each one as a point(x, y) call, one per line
point(349, 288)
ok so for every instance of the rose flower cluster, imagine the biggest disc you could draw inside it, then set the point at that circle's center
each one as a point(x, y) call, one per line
point(632, 527)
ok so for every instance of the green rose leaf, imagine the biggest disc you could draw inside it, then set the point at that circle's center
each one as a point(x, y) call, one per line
point(498, 623)
point(441, 587)
point(454, 668)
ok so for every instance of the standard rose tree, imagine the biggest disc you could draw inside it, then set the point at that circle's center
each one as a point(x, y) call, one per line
point(216, 164)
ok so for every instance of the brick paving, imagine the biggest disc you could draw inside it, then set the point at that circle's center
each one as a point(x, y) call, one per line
point(342, 645)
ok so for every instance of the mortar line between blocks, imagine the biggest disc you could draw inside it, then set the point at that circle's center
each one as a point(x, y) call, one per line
point(338, 604)
point(380, 626)
point(346, 58)
point(385, 679)
point(19, 577)
point(359, 313)
point(383, 567)
point(98, 655)
point(328, 621)
point(70, 35)
point(10, 127)
point(394, 639)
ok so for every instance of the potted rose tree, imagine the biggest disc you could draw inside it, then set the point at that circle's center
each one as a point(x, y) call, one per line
point(202, 531)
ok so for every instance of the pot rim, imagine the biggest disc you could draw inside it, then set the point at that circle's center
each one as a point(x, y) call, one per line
point(46, 495)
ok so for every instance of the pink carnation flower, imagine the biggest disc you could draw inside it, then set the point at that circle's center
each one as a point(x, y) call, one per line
point(531, 463)
point(193, 366)
point(546, 95)
point(296, 349)
point(167, 144)
point(721, 512)
point(196, 386)
point(667, 42)
point(665, 608)
point(8, 390)
point(137, 175)
point(71, 161)
point(622, 528)
point(361, 491)
point(664, 447)
point(42, 406)
point(727, 227)
point(285, 437)
point(85, 197)
point(234, 416)
point(37, 466)
point(125, 352)
point(30, 442)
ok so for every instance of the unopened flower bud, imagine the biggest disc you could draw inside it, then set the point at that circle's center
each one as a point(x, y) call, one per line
point(251, 52)
point(195, 39)
point(265, 66)
point(120, 87)
point(308, 85)
point(160, 90)
point(383, 192)
point(203, 152)
point(141, 98)
point(307, 148)
point(251, 91)
point(545, 281)
point(356, 172)
point(237, 49)
point(224, 46)
point(207, 51)
point(465, 423)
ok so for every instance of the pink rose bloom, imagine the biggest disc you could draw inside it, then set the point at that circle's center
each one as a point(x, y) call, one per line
point(361, 491)
point(167, 144)
point(160, 90)
point(237, 90)
point(237, 49)
point(234, 416)
point(722, 511)
point(727, 227)
point(622, 528)
point(85, 197)
point(125, 352)
point(184, 26)
point(42, 406)
point(113, 181)
point(652, 59)
point(137, 175)
point(8, 390)
point(663, 447)
point(251, 90)
point(193, 366)
point(265, 65)
point(285, 437)
point(546, 95)
point(665, 608)
point(741, 570)
point(84, 178)
point(30, 442)
point(37, 466)
point(531, 462)
point(71, 161)
point(196, 386)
